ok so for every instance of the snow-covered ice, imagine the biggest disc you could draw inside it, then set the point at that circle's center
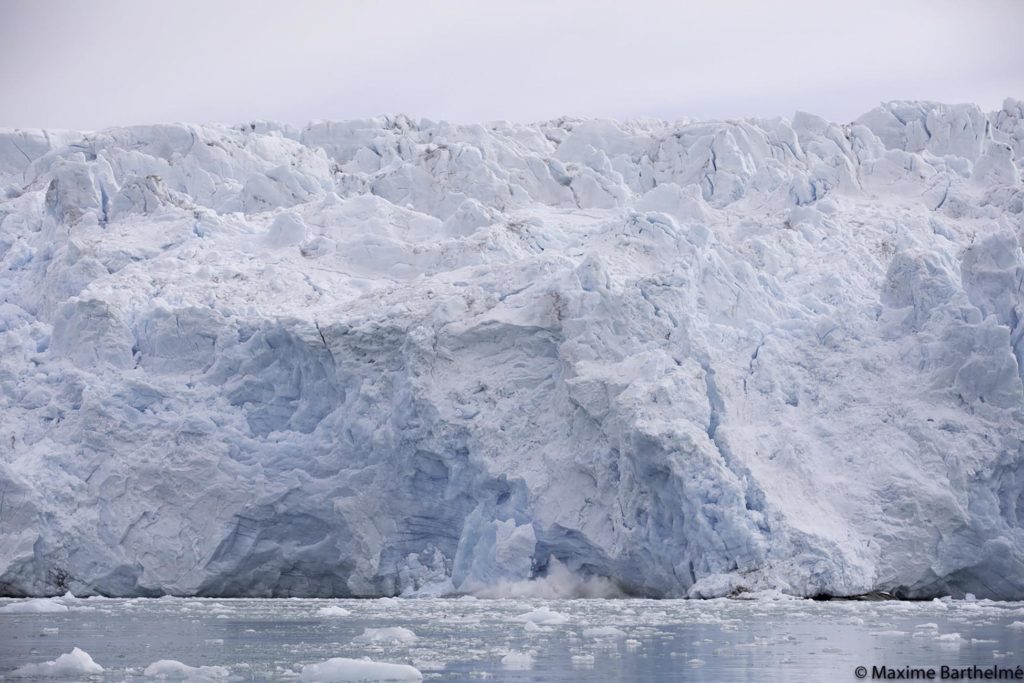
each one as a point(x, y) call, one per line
point(395, 357)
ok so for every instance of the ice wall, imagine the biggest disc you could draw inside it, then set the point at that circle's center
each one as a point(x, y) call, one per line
point(404, 357)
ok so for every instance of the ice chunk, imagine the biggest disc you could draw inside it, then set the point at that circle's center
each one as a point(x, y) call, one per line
point(173, 670)
point(333, 611)
point(603, 632)
point(583, 661)
point(340, 669)
point(544, 616)
point(34, 606)
point(287, 230)
point(517, 661)
point(391, 634)
point(74, 663)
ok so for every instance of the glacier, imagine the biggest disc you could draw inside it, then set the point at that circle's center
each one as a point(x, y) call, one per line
point(396, 357)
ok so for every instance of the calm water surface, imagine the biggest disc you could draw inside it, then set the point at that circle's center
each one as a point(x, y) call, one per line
point(457, 640)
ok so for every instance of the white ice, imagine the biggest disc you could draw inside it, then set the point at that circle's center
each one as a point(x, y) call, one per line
point(399, 357)
point(518, 661)
point(390, 634)
point(34, 606)
point(543, 615)
point(342, 669)
point(73, 664)
point(333, 611)
point(173, 670)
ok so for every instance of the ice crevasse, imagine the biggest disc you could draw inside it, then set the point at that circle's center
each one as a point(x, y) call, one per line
point(397, 357)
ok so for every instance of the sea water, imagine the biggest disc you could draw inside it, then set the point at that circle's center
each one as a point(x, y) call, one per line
point(762, 639)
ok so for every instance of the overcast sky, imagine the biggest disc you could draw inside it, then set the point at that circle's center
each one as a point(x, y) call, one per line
point(88, 65)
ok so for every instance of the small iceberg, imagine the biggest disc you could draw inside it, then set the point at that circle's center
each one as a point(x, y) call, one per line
point(173, 670)
point(543, 615)
point(333, 611)
point(341, 670)
point(394, 634)
point(34, 606)
point(74, 663)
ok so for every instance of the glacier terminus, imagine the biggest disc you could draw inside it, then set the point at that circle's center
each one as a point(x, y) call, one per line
point(580, 357)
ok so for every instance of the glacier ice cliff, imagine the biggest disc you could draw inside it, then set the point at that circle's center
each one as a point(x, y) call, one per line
point(390, 356)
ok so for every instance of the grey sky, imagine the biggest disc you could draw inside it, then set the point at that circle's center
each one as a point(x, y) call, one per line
point(86, 65)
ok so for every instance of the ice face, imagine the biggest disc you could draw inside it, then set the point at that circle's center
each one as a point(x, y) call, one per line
point(391, 357)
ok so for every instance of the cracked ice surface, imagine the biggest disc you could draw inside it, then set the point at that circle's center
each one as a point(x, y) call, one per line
point(392, 357)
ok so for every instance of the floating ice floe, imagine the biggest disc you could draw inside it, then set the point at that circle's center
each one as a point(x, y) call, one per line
point(604, 632)
point(74, 663)
point(517, 660)
point(584, 661)
point(543, 616)
point(344, 670)
point(333, 611)
point(391, 634)
point(173, 670)
point(34, 606)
